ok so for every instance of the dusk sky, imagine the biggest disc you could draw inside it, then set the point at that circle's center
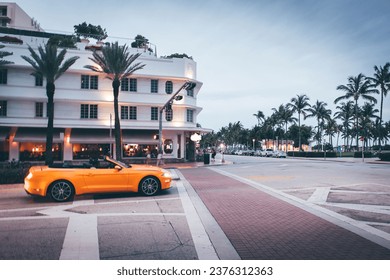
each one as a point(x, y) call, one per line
point(251, 55)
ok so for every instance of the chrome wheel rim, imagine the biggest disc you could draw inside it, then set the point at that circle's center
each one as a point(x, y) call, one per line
point(149, 186)
point(61, 191)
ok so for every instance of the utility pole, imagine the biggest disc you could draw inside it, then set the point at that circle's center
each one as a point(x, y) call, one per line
point(188, 86)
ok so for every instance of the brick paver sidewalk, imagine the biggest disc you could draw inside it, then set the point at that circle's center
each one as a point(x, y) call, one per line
point(261, 226)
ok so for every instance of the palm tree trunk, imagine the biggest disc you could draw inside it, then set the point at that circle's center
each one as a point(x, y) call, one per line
point(50, 89)
point(380, 123)
point(299, 131)
point(356, 126)
point(117, 128)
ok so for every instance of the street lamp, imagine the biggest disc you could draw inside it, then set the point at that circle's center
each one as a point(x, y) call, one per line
point(168, 107)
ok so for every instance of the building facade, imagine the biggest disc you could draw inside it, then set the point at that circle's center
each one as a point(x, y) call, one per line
point(83, 104)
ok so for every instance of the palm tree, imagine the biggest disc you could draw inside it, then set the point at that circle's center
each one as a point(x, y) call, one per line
point(367, 115)
point(381, 79)
point(285, 115)
point(330, 129)
point(116, 63)
point(319, 111)
point(345, 114)
point(357, 87)
point(299, 104)
point(49, 64)
point(260, 117)
point(4, 54)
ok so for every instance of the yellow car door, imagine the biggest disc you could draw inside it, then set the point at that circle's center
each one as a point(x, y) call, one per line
point(106, 179)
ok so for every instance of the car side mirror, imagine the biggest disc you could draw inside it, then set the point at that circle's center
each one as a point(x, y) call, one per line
point(118, 168)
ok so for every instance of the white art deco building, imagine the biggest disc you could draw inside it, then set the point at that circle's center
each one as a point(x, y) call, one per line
point(83, 102)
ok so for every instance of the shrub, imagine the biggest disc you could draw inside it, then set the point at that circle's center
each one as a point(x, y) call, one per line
point(359, 155)
point(13, 175)
point(313, 154)
point(384, 156)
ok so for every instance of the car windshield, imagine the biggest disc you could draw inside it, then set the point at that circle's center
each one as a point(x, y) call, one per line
point(117, 162)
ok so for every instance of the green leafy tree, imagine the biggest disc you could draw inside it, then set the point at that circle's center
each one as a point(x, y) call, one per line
point(90, 31)
point(321, 113)
point(381, 79)
point(357, 87)
point(49, 64)
point(299, 104)
point(367, 119)
point(345, 113)
point(116, 63)
point(260, 117)
point(141, 42)
point(285, 116)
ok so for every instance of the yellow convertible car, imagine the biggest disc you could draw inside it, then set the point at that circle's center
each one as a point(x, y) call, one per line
point(62, 181)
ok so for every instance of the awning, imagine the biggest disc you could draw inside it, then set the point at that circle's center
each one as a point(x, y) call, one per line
point(37, 135)
point(137, 136)
point(91, 136)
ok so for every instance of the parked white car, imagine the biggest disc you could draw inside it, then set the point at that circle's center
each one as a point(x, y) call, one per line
point(268, 153)
point(279, 154)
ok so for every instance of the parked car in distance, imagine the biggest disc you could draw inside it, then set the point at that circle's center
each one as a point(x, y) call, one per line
point(279, 154)
point(61, 182)
point(269, 153)
point(258, 153)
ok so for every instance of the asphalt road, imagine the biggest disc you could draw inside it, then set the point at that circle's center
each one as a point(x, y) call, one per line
point(177, 225)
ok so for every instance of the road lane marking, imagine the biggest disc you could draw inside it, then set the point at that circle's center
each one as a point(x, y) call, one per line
point(209, 239)
point(320, 195)
point(203, 246)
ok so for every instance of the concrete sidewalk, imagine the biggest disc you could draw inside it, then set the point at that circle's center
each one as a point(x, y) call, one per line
point(261, 226)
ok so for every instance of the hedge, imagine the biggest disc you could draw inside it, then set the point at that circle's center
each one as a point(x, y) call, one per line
point(312, 154)
point(13, 175)
point(384, 156)
point(366, 155)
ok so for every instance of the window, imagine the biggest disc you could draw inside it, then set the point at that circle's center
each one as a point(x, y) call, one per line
point(128, 112)
point(3, 76)
point(93, 82)
point(133, 85)
point(39, 109)
point(3, 108)
point(133, 113)
point(93, 111)
point(190, 115)
point(129, 84)
point(38, 81)
point(168, 87)
point(125, 84)
point(124, 112)
point(89, 82)
point(154, 86)
point(88, 111)
point(85, 81)
point(190, 92)
point(154, 114)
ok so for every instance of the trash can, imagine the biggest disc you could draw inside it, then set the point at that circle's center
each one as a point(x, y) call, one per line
point(206, 158)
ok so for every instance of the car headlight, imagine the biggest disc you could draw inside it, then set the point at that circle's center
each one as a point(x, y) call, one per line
point(29, 176)
point(166, 174)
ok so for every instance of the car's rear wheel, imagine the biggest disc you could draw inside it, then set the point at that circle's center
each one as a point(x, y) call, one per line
point(149, 186)
point(61, 191)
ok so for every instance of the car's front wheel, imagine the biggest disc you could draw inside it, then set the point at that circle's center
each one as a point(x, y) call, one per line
point(149, 186)
point(61, 191)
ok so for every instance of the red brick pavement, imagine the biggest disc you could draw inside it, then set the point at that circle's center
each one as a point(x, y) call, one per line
point(261, 226)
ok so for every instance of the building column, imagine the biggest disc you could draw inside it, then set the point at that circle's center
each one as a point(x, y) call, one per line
point(68, 147)
point(13, 146)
